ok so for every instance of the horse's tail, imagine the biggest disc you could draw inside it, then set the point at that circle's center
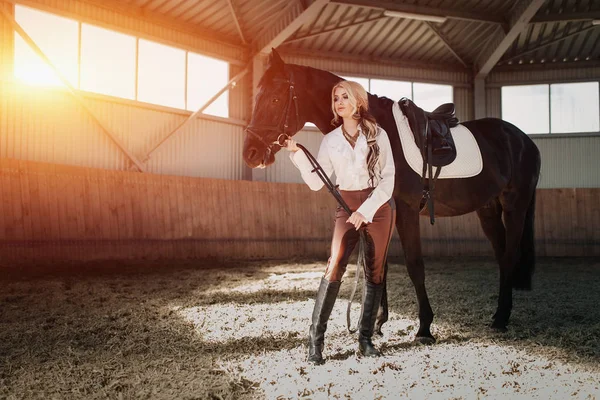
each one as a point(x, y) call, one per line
point(523, 272)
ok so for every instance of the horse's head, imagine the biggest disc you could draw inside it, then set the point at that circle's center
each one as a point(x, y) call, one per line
point(276, 114)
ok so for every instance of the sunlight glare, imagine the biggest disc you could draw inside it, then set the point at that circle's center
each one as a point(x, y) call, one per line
point(57, 38)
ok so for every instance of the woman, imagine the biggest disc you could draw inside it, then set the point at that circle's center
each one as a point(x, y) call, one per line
point(359, 153)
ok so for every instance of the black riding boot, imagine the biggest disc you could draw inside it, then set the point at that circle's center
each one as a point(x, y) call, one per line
point(324, 302)
point(371, 302)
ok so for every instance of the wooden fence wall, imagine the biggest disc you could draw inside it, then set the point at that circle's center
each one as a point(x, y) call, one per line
point(53, 212)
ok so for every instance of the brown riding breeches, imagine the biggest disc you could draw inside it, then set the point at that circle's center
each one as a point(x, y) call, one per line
point(345, 238)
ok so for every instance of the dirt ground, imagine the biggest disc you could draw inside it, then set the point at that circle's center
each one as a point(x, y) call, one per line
point(191, 330)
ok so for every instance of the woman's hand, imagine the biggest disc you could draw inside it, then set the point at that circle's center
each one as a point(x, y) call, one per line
point(357, 219)
point(290, 145)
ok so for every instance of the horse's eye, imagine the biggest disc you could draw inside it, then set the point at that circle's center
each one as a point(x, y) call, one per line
point(275, 100)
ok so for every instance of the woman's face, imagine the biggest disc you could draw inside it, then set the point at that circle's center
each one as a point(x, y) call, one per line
point(341, 103)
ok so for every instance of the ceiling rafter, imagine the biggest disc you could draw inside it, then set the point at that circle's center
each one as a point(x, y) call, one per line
point(566, 17)
point(417, 9)
point(236, 20)
point(352, 58)
point(548, 43)
point(447, 44)
point(501, 41)
point(270, 39)
point(339, 28)
point(150, 16)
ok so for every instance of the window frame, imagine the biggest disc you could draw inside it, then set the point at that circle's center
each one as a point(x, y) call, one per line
point(548, 83)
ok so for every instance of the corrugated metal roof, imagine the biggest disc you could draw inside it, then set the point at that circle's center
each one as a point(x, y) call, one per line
point(561, 30)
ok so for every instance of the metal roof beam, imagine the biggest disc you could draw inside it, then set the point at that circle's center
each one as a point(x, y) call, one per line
point(446, 43)
point(339, 28)
point(426, 10)
point(521, 15)
point(337, 56)
point(567, 17)
point(159, 19)
point(236, 20)
point(548, 43)
point(274, 36)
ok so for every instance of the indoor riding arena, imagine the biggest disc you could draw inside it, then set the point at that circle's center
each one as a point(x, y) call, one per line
point(142, 255)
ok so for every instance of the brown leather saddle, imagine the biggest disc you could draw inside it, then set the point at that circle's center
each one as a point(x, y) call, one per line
point(432, 134)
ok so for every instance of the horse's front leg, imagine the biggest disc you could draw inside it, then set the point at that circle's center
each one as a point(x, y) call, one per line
point(407, 222)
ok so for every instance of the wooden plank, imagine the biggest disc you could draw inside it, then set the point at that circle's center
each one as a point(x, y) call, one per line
point(52, 200)
point(45, 219)
point(15, 192)
point(128, 206)
point(540, 224)
point(197, 213)
point(593, 205)
point(104, 210)
point(155, 206)
point(571, 226)
point(32, 170)
point(144, 221)
point(90, 204)
point(5, 203)
point(137, 214)
point(181, 209)
point(175, 227)
point(23, 189)
point(85, 223)
point(94, 211)
point(58, 190)
point(112, 187)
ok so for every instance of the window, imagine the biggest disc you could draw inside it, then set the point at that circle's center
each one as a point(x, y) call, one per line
point(429, 96)
point(555, 108)
point(206, 76)
point(104, 61)
point(161, 74)
point(107, 62)
point(57, 37)
point(527, 107)
point(574, 107)
point(393, 90)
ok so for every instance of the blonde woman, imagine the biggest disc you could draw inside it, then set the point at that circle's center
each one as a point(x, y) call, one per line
point(359, 153)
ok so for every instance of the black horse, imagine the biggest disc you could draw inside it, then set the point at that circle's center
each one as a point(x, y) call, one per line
point(503, 194)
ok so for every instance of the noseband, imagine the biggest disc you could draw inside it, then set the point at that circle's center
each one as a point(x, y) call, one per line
point(283, 124)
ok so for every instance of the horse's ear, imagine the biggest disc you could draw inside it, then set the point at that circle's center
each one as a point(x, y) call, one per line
point(275, 61)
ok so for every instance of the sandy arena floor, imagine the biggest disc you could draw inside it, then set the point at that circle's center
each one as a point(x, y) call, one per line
point(238, 330)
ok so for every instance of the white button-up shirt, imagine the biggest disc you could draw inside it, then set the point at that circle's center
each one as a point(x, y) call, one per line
point(350, 167)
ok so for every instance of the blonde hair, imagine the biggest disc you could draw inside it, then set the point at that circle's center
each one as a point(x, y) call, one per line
point(359, 100)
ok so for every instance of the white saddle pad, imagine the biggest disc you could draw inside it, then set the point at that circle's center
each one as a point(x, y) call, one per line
point(468, 160)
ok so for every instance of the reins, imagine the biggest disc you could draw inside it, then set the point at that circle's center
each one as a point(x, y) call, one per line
point(362, 243)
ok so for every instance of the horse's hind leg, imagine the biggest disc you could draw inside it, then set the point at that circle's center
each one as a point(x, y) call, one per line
point(515, 207)
point(407, 222)
point(490, 217)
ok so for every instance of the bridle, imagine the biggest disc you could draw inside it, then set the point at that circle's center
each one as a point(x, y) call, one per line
point(282, 124)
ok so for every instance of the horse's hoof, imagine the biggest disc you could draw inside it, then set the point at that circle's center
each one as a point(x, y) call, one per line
point(426, 340)
point(498, 328)
point(378, 331)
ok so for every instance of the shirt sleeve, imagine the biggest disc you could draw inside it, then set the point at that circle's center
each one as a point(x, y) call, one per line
point(300, 160)
point(385, 187)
